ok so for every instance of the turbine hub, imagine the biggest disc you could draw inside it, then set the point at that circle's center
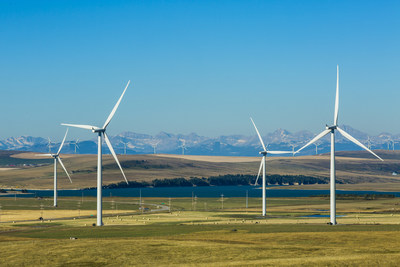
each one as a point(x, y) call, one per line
point(333, 127)
point(264, 153)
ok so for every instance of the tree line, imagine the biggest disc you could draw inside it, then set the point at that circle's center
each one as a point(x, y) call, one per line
point(222, 180)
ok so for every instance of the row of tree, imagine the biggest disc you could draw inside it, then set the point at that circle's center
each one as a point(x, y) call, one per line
point(221, 180)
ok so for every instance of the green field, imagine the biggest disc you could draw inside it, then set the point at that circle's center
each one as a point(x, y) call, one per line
point(200, 232)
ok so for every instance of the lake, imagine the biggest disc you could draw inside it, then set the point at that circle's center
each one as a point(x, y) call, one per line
point(199, 191)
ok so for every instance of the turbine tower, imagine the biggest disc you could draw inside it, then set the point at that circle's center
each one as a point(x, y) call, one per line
point(57, 158)
point(331, 130)
point(100, 133)
point(262, 166)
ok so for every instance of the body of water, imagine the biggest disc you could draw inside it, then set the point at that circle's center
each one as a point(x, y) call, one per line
point(200, 191)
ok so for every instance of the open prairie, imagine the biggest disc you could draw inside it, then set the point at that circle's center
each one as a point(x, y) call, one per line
point(200, 233)
point(352, 168)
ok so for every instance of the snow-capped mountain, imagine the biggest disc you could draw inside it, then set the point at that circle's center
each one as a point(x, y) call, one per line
point(193, 144)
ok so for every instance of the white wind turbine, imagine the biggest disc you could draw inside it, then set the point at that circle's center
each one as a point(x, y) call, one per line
point(262, 166)
point(369, 142)
point(49, 144)
point(57, 158)
point(76, 144)
point(293, 146)
point(331, 129)
point(316, 147)
point(125, 144)
point(102, 132)
point(154, 144)
point(183, 146)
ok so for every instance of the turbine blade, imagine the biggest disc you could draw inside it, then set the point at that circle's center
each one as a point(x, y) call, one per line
point(115, 108)
point(44, 155)
point(322, 134)
point(62, 143)
point(335, 119)
point(259, 171)
point(259, 136)
point(355, 141)
point(114, 155)
point(62, 165)
point(83, 126)
point(279, 152)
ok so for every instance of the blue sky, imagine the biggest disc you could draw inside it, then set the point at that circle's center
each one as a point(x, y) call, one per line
point(198, 66)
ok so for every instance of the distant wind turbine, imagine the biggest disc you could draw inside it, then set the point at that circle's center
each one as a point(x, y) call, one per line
point(316, 148)
point(369, 142)
point(393, 142)
point(76, 144)
point(262, 167)
point(49, 144)
point(183, 146)
point(388, 143)
point(57, 158)
point(154, 144)
point(100, 133)
point(331, 129)
point(125, 144)
point(293, 146)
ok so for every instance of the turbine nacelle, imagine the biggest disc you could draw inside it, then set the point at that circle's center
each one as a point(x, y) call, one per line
point(98, 130)
point(332, 128)
point(264, 153)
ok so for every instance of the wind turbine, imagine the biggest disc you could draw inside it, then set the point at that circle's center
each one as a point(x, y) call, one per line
point(369, 142)
point(76, 144)
point(331, 129)
point(49, 144)
point(154, 144)
point(57, 158)
point(262, 166)
point(293, 146)
point(393, 142)
point(125, 144)
point(183, 146)
point(100, 133)
point(316, 148)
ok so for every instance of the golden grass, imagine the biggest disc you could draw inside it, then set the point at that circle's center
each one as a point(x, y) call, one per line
point(23, 215)
point(359, 170)
point(212, 248)
point(233, 237)
point(211, 158)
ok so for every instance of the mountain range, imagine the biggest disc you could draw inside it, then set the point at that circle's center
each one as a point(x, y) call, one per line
point(193, 144)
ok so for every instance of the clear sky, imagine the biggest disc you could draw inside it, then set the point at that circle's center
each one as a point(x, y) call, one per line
point(198, 66)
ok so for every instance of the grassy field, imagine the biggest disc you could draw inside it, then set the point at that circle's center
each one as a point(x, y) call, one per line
point(352, 167)
point(201, 232)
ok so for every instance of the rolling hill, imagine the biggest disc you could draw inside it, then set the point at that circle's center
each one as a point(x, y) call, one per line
point(352, 168)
